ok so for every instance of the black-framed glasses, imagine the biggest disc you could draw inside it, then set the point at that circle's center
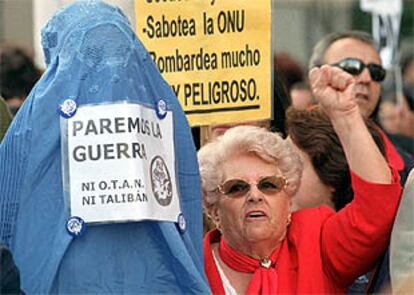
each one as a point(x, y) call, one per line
point(355, 67)
point(269, 185)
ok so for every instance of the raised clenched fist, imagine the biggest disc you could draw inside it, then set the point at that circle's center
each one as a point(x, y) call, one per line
point(334, 90)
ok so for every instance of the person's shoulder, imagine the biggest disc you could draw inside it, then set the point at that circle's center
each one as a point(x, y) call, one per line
point(312, 212)
point(309, 221)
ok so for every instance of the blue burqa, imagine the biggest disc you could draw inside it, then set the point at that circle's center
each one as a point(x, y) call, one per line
point(93, 56)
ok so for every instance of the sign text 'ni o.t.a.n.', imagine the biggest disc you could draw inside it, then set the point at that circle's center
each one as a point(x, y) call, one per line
point(120, 164)
point(215, 54)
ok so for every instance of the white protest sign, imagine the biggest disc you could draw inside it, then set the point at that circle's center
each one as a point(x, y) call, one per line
point(381, 6)
point(386, 19)
point(120, 164)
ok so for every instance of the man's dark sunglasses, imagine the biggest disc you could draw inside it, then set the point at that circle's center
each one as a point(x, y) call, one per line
point(355, 67)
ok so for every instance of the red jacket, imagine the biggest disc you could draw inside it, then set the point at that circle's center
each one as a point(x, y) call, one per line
point(393, 157)
point(328, 250)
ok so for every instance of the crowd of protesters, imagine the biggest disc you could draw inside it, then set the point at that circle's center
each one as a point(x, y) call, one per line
point(315, 190)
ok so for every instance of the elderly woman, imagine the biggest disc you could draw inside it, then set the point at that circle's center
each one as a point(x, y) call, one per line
point(248, 178)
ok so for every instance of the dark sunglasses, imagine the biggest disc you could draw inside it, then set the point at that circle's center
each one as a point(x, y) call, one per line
point(355, 67)
point(269, 185)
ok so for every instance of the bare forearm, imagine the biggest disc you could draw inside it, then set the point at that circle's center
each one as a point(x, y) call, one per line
point(363, 155)
point(335, 91)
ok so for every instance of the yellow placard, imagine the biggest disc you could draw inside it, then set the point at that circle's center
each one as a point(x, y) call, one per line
point(215, 54)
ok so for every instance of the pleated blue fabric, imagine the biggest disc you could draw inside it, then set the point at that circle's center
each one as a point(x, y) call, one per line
point(93, 56)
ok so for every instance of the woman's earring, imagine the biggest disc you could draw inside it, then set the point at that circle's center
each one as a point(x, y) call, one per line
point(289, 219)
point(216, 219)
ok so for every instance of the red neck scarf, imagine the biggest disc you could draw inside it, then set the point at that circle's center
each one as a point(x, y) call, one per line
point(264, 280)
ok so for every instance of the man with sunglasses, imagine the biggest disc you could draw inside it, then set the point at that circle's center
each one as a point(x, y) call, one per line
point(356, 53)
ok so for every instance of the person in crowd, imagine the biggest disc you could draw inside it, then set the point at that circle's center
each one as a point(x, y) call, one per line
point(407, 114)
point(281, 102)
point(291, 72)
point(407, 69)
point(301, 95)
point(9, 273)
point(326, 179)
point(94, 60)
point(389, 117)
point(356, 53)
point(248, 178)
point(18, 75)
point(5, 118)
point(396, 118)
